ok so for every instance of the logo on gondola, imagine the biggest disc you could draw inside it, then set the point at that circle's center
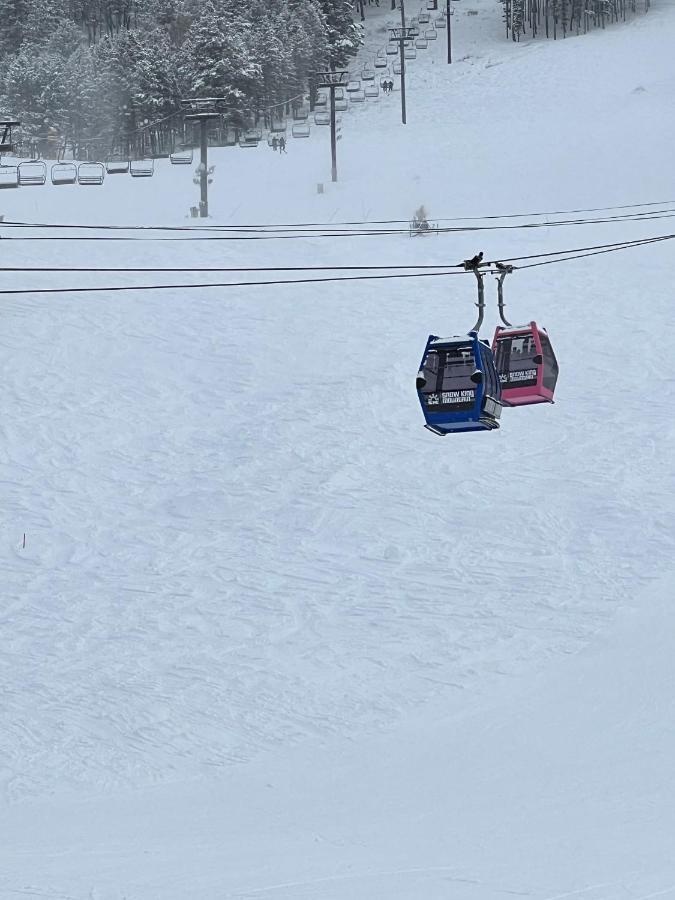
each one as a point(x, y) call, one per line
point(450, 398)
point(523, 375)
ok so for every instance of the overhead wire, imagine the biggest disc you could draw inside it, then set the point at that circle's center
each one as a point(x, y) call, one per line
point(549, 258)
point(226, 284)
point(357, 223)
point(248, 233)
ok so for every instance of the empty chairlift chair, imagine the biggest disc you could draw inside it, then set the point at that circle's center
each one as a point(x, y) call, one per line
point(421, 43)
point(431, 34)
point(64, 173)
point(372, 91)
point(357, 96)
point(90, 173)
point(117, 166)
point(9, 176)
point(32, 172)
point(322, 118)
point(300, 131)
point(423, 18)
point(182, 156)
point(251, 138)
point(458, 386)
point(142, 168)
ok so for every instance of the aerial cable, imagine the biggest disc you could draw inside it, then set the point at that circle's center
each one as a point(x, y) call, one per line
point(329, 225)
point(157, 269)
point(227, 284)
point(250, 234)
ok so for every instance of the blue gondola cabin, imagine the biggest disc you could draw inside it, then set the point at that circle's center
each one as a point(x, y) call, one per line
point(458, 386)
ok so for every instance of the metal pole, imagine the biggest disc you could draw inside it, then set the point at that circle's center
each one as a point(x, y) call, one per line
point(402, 58)
point(447, 13)
point(333, 138)
point(203, 173)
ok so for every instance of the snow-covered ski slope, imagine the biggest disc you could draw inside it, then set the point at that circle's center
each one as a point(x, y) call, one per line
point(270, 638)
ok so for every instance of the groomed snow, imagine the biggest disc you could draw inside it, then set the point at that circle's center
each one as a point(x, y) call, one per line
point(267, 636)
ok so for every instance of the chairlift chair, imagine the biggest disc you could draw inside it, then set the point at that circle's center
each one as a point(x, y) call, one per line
point(367, 75)
point(392, 49)
point(353, 86)
point(32, 172)
point(341, 105)
point(458, 386)
point(372, 91)
point(431, 34)
point(381, 63)
point(397, 68)
point(322, 118)
point(9, 176)
point(410, 53)
point(142, 168)
point(64, 173)
point(440, 22)
point(432, 5)
point(421, 43)
point(278, 127)
point(245, 144)
point(90, 173)
point(321, 99)
point(423, 18)
point(300, 131)
point(300, 113)
point(182, 157)
point(357, 96)
point(117, 166)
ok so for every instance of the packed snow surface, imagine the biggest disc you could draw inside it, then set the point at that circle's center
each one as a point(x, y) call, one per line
point(267, 637)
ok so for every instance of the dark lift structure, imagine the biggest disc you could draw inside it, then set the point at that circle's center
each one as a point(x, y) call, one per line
point(6, 140)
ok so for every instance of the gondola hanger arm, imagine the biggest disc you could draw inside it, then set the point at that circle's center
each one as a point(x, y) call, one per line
point(503, 269)
point(473, 265)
